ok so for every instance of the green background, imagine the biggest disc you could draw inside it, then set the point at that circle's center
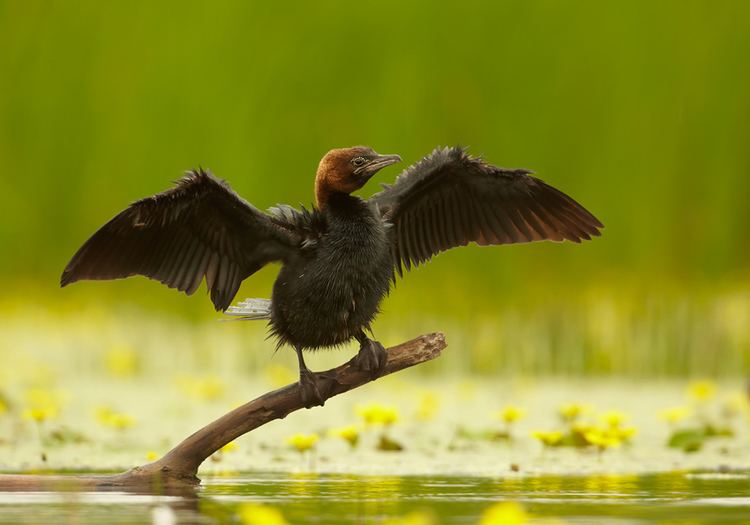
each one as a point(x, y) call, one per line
point(640, 110)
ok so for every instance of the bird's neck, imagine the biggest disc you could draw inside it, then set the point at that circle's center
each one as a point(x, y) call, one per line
point(323, 192)
point(327, 188)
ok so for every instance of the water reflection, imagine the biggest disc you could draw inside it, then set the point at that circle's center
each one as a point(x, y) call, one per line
point(593, 499)
point(703, 498)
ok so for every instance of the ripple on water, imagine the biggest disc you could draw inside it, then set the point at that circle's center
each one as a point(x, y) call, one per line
point(705, 498)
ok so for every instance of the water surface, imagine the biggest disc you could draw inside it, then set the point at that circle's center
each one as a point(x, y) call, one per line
point(679, 497)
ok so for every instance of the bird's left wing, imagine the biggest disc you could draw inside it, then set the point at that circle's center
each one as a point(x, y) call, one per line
point(450, 199)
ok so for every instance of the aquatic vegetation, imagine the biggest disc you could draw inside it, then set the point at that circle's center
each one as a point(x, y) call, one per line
point(511, 413)
point(391, 415)
point(377, 414)
point(548, 438)
point(580, 432)
point(601, 439)
point(614, 433)
point(303, 442)
point(383, 416)
point(610, 437)
point(108, 417)
point(349, 433)
point(387, 444)
point(40, 414)
point(674, 415)
point(43, 405)
point(702, 391)
point(613, 418)
point(571, 412)
point(710, 419)
point(63, 435)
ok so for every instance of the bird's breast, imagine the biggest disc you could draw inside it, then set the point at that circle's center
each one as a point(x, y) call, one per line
point(326, 297)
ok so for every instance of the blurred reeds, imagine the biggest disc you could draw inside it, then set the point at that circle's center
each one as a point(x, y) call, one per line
point(638, 109)
point(601, 331)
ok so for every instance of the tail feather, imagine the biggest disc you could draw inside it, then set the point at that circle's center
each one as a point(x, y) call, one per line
point(250, 310)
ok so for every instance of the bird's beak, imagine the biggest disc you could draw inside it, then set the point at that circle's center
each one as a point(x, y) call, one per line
point(378, 163)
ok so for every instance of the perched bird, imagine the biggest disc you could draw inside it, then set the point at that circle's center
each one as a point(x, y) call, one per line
point(339, 258)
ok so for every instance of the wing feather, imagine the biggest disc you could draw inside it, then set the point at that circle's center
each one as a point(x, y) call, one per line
point(200, 229)
point(199, 270)
point(450, 199)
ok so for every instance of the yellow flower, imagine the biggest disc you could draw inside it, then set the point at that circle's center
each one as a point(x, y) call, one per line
point(303, 442)
point(625, 434)
point(42, 404)
point(254, 514)
point(40, 414)
point(121, 421)
point(109, 418)
point(40, 396)
point(504, 513)
point(675, 414)
point(413, 518)
point(377, 414)
point(3, 405)
point(702, 390)
point(428, 406)
point(570, 412)
point(151, 456)
point(229, 447)
point(548, 438)
point(580, 427)
point(602, 438)
point(614, 418)
point(122, 361)
point(350, 434)
point(511, 414)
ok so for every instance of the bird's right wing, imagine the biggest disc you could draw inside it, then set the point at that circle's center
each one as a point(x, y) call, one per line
point(200, 228)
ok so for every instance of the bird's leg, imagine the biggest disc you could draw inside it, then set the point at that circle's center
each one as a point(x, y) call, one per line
point(371, 357)
point(308, 386)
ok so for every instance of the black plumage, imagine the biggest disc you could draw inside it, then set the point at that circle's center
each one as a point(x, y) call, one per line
point(339, 258)
point(199, 229)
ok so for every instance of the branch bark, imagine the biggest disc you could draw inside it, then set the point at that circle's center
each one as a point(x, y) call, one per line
point(179, 467)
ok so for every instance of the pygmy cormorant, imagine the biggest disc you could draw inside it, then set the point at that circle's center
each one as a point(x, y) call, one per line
point(339, 258)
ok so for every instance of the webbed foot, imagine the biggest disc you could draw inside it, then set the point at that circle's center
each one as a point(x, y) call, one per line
point(309, 391)
point(371, 358)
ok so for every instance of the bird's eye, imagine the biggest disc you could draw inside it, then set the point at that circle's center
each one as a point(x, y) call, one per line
point(358, 161)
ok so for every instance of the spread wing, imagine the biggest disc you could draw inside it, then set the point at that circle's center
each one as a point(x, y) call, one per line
point(449, 199)
point(198, 229)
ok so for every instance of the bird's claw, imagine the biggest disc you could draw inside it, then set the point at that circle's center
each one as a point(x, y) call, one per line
point(371, 358)
point(309, 391)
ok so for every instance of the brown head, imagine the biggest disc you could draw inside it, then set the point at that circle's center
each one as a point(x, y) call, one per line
point(346, 170)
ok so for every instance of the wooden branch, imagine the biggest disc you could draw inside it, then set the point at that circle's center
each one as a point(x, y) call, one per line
point(179, 467)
